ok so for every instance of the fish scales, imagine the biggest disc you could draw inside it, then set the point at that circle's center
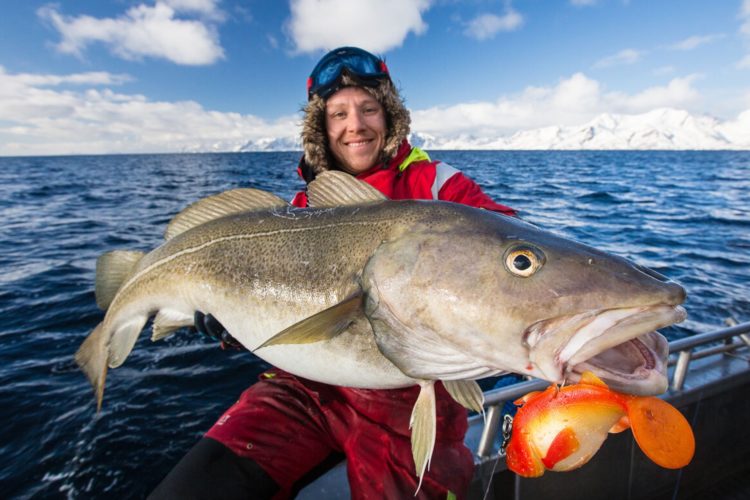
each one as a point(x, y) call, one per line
point(261, 272)
point(390, 294)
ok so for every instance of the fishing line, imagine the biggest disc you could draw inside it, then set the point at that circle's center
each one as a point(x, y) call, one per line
point(507, 431)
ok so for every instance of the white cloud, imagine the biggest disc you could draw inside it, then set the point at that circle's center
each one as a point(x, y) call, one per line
point(208, 7)
point(376, 25)
point(583, 3)
point(571, 101)
point(144, 31)
point(626, 56)
point(487, 26)
point(694, 42)
point(678, 93)
point(80, 113)
point(89, 78)
point(39, 118)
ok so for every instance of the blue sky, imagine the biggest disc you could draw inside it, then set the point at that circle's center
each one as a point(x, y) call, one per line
point(97, 76)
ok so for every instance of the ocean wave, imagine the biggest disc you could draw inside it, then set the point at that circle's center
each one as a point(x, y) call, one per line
point(683, 214)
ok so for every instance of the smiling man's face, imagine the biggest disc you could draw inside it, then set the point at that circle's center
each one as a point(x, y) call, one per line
point(355, 124)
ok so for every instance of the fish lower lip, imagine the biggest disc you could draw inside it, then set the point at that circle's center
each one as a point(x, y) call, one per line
point(602, 341)
point(637, 366)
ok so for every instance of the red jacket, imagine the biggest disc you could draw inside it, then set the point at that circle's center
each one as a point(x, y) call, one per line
point(411, 175)
point(288, 416)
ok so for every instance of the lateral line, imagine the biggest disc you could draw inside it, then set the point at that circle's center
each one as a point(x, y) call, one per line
point(207, 244)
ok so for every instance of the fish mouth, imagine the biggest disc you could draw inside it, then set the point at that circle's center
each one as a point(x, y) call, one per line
point(621, 346)
point(638, 366)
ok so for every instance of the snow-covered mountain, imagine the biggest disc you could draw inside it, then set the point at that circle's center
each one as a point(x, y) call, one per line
point(663, 128)
point(272, 144)
point(290, 143)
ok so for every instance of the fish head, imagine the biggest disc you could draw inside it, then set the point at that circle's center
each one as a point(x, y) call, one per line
point(601, 314)
point(478, 293)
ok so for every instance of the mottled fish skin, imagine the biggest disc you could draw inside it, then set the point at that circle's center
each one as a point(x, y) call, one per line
point(261, 272)
point(389, 294)
point(452, 291)
point(439, 264)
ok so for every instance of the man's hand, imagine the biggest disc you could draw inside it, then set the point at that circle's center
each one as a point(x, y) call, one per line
point(210, 326)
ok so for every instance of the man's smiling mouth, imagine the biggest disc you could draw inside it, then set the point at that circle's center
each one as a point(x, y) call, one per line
point(356, 144)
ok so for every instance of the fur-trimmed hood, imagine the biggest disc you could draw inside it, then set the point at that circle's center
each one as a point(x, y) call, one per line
point(317, 155)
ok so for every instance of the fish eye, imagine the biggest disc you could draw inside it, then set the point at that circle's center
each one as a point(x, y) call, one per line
point(523, 261)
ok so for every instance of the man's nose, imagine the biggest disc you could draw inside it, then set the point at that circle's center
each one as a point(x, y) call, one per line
point(355, 122)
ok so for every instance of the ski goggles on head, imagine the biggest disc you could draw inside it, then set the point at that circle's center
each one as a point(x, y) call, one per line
point(364, 67)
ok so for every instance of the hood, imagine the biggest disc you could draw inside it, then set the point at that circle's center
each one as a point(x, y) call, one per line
point(317, 157)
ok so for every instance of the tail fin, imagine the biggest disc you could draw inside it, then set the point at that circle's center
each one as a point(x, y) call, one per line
point(112, 269)
point(105, 349)
point(92, 358)
point(661, 431)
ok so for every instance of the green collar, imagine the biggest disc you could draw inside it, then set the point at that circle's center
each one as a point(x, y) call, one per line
point(415, 154)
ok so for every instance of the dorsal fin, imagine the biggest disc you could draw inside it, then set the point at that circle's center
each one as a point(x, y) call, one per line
point(219, 205)
point(334, 188)
point(112, 269)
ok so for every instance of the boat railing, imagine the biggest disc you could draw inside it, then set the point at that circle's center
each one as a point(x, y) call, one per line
point(682, 352)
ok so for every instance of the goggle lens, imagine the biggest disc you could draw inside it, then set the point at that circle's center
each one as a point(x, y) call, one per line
point(362, 65)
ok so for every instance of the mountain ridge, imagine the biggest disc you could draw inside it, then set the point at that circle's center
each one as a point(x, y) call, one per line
point(659, 129)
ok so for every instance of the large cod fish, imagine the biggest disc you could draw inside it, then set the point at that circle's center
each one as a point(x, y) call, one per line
point(363, 292)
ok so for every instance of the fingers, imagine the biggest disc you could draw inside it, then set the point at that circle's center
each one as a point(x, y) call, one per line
point(213, 327)
point(208, 325)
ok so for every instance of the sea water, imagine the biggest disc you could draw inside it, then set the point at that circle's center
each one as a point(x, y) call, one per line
point(684, 214)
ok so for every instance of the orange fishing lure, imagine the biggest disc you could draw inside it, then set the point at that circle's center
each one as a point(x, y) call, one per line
point(560, 429)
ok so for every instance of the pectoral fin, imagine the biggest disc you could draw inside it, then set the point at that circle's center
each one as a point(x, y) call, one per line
point(622, 425)
point(423, 428)
point(324, 325)
point(467, 393)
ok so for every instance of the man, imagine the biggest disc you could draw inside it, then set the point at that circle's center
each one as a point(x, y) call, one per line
point(285, 430)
